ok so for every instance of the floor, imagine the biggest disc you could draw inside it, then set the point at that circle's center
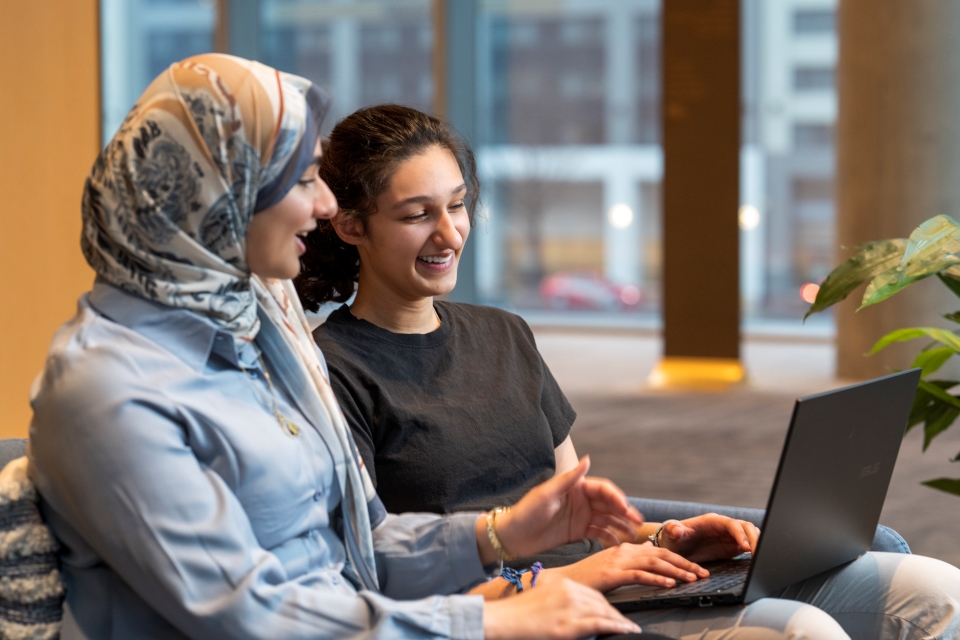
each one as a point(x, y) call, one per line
point(723, 447)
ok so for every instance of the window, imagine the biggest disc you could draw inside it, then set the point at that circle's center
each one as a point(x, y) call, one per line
point(140, 39)
point(813, 79)
point(366, 52)
point(571, 158)
point(812, 136)
point(568, 129)
point(814, 21)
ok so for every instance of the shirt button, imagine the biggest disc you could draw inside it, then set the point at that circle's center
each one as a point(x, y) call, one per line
point(318, 496)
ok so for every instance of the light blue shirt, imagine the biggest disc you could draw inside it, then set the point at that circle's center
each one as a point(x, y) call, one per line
point(185, 511)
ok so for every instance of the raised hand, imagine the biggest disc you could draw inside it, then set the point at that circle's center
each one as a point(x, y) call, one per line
point(561, 610)
point(567, 507)
point(709, 537)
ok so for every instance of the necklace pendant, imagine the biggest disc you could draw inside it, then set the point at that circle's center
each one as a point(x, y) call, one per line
point(290, 428)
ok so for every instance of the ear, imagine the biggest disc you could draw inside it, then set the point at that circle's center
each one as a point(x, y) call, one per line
point(350, 230)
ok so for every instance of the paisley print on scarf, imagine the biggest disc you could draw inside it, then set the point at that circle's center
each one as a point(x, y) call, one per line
point(169, 200)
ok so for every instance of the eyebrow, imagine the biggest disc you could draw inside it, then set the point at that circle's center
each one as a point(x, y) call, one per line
point(423, 199)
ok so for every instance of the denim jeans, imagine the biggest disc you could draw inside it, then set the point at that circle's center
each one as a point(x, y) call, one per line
point(880, 595)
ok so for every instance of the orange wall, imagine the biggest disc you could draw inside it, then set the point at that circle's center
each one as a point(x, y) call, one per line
point(49, 137)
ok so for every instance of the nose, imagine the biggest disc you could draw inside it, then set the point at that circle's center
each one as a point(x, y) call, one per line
point(325, 204)
point(447, 235)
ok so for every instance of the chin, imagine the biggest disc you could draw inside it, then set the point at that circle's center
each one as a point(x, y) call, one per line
point(446, 288)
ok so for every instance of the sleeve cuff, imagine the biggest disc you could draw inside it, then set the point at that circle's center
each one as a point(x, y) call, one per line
point(466, 617)
point(464, 555)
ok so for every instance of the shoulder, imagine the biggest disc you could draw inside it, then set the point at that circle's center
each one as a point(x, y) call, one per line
point(94, 365)
point(337, 337)
point(485, 318)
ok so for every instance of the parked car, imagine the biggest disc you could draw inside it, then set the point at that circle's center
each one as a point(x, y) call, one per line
point(588, 291)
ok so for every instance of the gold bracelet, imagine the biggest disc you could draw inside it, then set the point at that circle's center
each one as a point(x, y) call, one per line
point(492, 533)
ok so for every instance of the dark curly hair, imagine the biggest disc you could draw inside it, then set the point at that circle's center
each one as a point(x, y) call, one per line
point(363, 152)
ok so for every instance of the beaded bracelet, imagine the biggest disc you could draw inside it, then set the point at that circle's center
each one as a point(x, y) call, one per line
point(515, 576)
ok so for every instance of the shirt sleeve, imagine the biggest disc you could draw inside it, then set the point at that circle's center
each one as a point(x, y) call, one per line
point(555, 406)
point(409, 544)
point(120, 470)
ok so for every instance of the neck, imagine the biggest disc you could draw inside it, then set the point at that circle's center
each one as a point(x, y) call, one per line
point(384, 308)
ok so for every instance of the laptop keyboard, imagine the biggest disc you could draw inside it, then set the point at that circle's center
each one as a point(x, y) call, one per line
point(723, 575)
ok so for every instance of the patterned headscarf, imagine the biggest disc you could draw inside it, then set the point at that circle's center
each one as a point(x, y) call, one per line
point(211, 142)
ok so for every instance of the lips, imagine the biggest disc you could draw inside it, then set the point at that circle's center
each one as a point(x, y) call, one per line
point(436, 263)
point(301, 245)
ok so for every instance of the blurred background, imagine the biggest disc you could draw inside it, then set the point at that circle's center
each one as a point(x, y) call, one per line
point(849, 131)
point(566, 125)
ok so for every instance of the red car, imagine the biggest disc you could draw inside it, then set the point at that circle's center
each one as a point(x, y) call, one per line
point(588, 291)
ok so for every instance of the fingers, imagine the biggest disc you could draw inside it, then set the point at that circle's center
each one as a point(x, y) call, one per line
point(666, 562)
point(605, 496)
point(596, 615)
point(607, 538)
point(563, 483)
point(740, 531)
point(634, 564)
point(561, 610)
point(753, 535)
point(616, 526)
point(711, 537)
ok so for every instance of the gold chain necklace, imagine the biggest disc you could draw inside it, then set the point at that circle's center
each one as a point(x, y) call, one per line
point(288, 426)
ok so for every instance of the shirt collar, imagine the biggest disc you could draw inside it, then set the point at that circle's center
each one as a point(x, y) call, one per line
point(185, 334)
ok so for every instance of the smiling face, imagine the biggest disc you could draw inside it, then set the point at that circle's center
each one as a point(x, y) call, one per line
point(409, 249)
point(274, 243)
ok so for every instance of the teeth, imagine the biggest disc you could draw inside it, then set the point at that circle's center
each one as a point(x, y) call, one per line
point(436, 259)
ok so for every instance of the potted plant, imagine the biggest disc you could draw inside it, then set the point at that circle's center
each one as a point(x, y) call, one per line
point(890, 266)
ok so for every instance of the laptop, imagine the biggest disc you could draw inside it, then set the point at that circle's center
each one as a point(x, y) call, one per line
point(825, 504)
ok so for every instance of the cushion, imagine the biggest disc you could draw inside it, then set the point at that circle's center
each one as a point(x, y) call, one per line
point(31, 588)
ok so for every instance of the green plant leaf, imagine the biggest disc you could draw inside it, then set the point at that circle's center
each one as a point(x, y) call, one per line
point(944, 337)
point(938, 393)
point(930, 249)
point(871, 259)
point(950, 485)
point(938, 422)
point(932, 359)
point(951, 278)
point(953, 317)
point(922, 410)
point(893, 281)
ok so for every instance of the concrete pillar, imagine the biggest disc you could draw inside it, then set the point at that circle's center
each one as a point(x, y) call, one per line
point(701, 180)
point(898, 156)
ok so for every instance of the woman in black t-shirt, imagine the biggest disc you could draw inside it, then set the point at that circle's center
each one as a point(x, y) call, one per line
point(450, 404)
point(453, 408)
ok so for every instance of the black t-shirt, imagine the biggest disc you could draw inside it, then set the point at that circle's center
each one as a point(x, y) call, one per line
point(465, 417)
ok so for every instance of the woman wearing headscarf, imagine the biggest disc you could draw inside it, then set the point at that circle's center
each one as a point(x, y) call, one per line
point(189, 453)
